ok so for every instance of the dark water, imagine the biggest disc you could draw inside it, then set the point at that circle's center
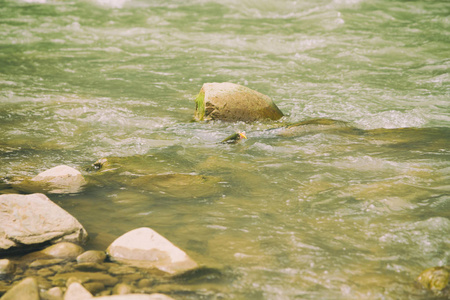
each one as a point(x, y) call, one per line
point(322, 214)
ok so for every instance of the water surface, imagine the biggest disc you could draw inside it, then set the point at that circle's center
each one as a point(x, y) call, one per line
point(324, 214)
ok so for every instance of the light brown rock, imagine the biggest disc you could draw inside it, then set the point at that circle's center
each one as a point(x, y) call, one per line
point(60, 179)
point(76, 291)
point(145, 248)
point(27, 289)
point(232, 102)
point(30, 220)
point(6, 266)
point(93, 256)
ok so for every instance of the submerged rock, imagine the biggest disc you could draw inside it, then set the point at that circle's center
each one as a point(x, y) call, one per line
point(232, 102)
point(435, 279)
point(145, 248)
point(179, 185)
point(315, 125)
point(28, 221)
point(27, 289)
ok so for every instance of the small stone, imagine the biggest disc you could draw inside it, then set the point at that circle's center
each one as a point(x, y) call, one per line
point(45, 262)
point(76, 291)
point(63, 250)
point(155, 296)
point(45, 272)
point(145, 248)
point(145, 282)
point(6, 266)
point(55, 293)
point(84, 277)
point(90, 267)
point(94, 287)
point(27, 289)
point(94, 256)
point(121, 270)
point(122, 289)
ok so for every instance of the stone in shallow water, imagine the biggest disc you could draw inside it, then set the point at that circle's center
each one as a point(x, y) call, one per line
point(6, 266)
point(435, 279)
point(27, 289)
point(145, 248)
point(232, 102)
point(58, 180)
point(76, 291)
point(179, 185)
point(93, 256)
point(84, 277)
point(63, 250)
point(31, 220)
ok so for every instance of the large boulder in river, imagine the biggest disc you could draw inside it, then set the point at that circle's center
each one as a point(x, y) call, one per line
point(232, 102)
point(145, 248)
point(28, 221)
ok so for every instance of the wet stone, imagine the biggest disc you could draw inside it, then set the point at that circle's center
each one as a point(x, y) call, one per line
point(83, 277)
point(45, 272)
point(27, 289)
point(6, 267)
point(121, 270)
point(40, 263)
point(90, 267)
point(93, 256)
point(63, 250)
point(122, 289)
point(55, 293)
point(94, 287)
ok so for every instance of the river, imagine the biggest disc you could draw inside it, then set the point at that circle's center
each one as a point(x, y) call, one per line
point(323, 214)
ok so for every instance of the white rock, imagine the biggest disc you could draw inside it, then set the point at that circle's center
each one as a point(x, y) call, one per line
point(76, 291)
point(61, 179)
point(145, 248)
point(28, 220)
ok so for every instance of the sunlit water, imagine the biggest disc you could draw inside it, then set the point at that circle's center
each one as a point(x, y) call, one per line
point(319, 215)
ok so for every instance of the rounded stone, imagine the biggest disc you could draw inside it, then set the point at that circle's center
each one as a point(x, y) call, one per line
point(93, 256)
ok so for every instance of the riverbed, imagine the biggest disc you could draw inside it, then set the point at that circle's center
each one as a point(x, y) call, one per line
point(321, 214)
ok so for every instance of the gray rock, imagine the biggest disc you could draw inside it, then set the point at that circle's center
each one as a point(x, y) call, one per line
point(6, 266)
point(76, 291)
point(145, 248)
point(60, 179)
point(27, 289)
point(232, 102)
point(30, 220)
point(93, 256)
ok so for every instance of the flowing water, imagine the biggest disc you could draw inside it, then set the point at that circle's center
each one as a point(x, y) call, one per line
point(323, 214)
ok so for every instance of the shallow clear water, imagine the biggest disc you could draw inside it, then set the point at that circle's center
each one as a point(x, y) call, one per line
point(320, 215)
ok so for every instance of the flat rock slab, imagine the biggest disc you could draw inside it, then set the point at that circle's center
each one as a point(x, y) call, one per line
point(233, 102)
point(145, 248)
point(28, 221)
